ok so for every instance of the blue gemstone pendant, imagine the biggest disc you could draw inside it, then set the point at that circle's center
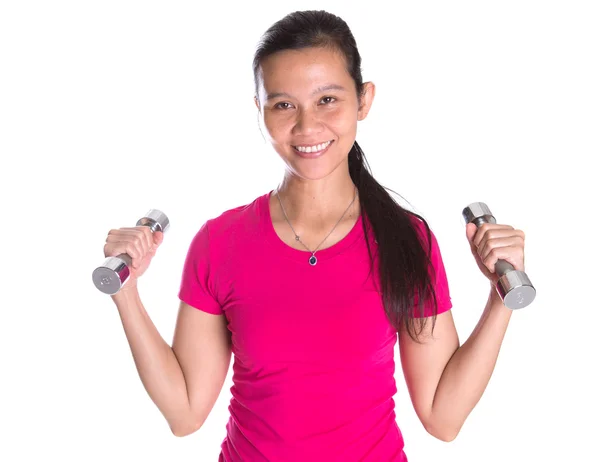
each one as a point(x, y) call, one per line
point(312, 260)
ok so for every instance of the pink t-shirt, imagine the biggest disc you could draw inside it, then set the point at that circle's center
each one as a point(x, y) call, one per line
point(313, 370)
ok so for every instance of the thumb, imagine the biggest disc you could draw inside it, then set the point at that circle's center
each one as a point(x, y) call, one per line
point(471, 229)
point(158, 238)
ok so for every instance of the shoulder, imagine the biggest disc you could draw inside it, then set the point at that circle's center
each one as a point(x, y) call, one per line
point(420, 225)
point(240, 219)
point(425, 234)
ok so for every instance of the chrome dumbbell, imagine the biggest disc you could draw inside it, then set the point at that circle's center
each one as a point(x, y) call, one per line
point(112, 275)
point(514, 287)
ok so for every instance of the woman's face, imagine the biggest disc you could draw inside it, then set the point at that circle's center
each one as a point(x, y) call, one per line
point(310, 109)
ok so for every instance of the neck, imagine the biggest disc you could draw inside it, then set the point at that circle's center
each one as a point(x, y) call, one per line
point(316, 204)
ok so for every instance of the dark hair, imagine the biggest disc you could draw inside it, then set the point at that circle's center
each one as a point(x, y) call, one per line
point(404, 265)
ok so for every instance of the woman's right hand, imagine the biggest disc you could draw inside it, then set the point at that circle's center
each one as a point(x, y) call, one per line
point(139, 242)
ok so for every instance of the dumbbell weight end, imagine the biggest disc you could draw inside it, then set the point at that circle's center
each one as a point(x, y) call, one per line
point(112, 275)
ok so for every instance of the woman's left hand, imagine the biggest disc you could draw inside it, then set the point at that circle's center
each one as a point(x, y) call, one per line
point(492, 242)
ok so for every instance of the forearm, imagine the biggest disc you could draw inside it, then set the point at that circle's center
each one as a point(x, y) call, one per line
point(155, 361)
point(469, 370)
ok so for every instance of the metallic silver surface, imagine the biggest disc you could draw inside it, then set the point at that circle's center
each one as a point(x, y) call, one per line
point(157, 221)
point(516, 290)
point(479, 211)
point(112, 274)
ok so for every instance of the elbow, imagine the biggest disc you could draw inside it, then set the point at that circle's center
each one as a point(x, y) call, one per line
point(446, 437)
point(180, 433)
point(184, 429)
point(445, 433)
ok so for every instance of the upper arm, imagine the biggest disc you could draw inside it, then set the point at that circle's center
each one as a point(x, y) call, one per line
point(202, 345)
point(424, 362)
point(202, 340)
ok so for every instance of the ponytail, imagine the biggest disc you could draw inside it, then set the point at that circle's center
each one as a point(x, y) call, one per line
point(403, 262)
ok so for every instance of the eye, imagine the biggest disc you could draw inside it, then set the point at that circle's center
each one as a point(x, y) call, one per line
point(330, 98)
point(279, 105)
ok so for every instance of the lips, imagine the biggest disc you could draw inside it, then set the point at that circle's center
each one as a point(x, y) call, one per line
point(311, 154)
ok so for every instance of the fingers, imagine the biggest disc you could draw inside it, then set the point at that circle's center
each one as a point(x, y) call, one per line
point(513, 254)
point(495, 242)
point(493, 231)
point(143, 231)
point(136, 242)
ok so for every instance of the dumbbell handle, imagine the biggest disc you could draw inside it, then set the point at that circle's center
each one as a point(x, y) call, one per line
point(502, 266)
point(114, 273)
point(514, 287)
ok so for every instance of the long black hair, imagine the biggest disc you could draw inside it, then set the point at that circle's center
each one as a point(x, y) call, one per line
point(404, 266)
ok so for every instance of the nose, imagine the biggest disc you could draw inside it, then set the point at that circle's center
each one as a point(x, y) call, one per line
point(307, 123)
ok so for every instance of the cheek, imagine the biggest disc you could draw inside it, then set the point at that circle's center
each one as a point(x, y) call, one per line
point(341, 120)
point(278, 124)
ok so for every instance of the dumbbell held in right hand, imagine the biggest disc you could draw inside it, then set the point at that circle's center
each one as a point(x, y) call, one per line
point(114, 273)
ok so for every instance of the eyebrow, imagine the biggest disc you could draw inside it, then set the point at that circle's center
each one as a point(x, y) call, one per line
point(322, 89)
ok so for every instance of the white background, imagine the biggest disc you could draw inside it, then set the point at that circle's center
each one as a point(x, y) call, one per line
point(108, 109)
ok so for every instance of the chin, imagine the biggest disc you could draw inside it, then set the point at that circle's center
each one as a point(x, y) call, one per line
point(316, 172)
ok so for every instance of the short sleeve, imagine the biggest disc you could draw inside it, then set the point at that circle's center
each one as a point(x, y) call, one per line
point(439, 279)
point(197, 283)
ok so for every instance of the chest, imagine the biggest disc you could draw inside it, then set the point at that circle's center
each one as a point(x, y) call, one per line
point(291, 312)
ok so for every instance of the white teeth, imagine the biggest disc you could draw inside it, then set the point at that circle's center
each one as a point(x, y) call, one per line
point(318, 147)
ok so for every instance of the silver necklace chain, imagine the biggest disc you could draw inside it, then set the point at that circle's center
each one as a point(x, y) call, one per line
point(313, 260)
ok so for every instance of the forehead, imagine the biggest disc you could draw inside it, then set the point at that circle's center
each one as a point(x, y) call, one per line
point(301, 71)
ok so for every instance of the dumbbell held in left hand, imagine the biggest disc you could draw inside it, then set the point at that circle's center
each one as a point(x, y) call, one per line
point(112, 275)
point(514, 287)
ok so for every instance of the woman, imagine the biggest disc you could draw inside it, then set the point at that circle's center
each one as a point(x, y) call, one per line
point(310, 285)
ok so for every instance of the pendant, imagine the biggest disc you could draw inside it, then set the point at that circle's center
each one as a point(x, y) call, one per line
point(312, 260)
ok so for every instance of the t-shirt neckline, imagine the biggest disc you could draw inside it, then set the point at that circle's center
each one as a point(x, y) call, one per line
point(303, 255)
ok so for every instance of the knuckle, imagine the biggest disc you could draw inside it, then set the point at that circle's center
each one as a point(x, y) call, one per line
point(148, 234)
point(131, 249)
point(142, 242)
point(144, 232)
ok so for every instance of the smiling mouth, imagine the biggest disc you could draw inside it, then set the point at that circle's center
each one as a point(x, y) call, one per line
point(314, 148)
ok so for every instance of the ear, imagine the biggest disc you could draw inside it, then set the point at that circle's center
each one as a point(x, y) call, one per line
point(366, 99)
point(257, 103)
